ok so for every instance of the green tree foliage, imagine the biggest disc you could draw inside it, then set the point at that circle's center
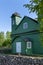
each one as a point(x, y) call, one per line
point(8, 35)
point(37, 7)
point(7, 42)
point(1, 38)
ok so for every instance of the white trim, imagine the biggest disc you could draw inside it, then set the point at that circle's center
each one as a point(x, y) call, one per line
point(18, 47)
point(28, 44)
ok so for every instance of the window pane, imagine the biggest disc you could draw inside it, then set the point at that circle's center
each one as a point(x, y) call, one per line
point(28, 44)
point(25, 25)
point(13, 22)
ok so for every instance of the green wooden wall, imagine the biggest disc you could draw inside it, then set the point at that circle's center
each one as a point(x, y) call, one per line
point(31, 26)
point(37, 47)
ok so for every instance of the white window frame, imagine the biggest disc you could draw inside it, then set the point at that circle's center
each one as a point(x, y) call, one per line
point(29, 44)
point(25, 25)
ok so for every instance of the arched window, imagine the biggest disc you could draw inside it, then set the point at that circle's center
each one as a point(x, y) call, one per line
point(25, 25)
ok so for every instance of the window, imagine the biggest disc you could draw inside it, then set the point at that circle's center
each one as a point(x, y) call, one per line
point(25, 25)
point(13, 22)
point(28, 44)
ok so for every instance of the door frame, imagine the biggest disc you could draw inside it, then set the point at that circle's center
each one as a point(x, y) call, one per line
point(18, 47)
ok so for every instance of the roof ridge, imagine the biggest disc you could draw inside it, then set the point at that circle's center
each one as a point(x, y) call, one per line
point(32, 19)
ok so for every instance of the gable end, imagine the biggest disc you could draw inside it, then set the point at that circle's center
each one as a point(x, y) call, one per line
point(28, 18)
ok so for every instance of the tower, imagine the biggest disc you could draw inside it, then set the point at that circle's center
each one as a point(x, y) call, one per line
point(15, 19)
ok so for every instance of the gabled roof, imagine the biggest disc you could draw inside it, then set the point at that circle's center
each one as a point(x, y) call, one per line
point(32, 19)
point(28, 18)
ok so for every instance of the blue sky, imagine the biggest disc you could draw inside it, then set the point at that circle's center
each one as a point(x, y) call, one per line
point(7, 7)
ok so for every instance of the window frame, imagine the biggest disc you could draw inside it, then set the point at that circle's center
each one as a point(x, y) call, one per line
point(25, 25)
point(30, 44)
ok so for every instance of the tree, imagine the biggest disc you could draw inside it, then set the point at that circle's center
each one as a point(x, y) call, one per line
point(37, 7)
point(7, 41)
point(1, 38)
point(8, 35)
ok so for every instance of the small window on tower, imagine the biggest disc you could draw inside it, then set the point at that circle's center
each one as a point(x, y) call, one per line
point(13, 22)
point(25, 25)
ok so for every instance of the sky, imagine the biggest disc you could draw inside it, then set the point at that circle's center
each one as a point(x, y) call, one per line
point(7, 8)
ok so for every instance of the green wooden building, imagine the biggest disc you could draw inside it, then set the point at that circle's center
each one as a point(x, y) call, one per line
point(25, 35)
